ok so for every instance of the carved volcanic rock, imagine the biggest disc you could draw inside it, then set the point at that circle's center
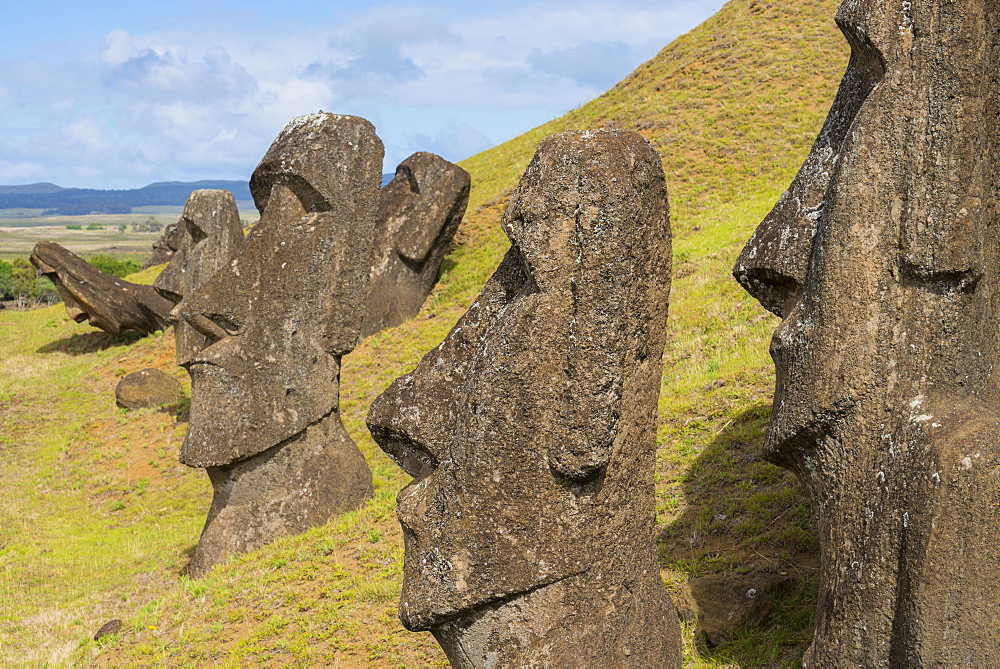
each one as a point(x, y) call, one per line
point(418, 214)
point(170, 242)
point(264, 417)
point(147, 388)
point(210, 235)
point(109, 303)
point(886, 400)
point(530, 431)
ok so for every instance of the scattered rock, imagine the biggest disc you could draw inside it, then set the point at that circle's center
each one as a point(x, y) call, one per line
point(418, 214)
point(147, 388)
point(109, 303)
point(531, 430)
point(265, 392)
point(108, 628)
point(721, 605)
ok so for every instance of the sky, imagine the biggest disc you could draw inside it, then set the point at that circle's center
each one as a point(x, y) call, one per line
point(123, 93)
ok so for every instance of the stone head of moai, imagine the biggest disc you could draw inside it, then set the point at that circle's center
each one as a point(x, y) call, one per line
point(209, 235)
point(107, 302)
point(279, 315)
point(530, 430)
point(882, 259)
point(419, 212)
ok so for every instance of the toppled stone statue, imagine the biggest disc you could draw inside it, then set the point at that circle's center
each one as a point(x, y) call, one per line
point(210, 235)
point(109, 303)
point(886, 403)
point(170, 242)
point(418, 214)
point(264, 400)
point(531, 430)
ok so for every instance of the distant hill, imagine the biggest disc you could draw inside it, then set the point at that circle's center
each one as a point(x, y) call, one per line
point(56, 200)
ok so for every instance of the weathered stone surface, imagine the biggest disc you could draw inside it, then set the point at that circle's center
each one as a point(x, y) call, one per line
point(719, 606)
point(418, 214)
point(264, 400)
point(210, 235)
point(886, 400)
point(109, 303)
point(170, 242)
point(147, 388)
point(111, 627)
point(530, 431)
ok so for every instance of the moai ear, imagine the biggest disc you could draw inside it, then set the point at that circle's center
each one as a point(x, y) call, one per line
point(583, 451)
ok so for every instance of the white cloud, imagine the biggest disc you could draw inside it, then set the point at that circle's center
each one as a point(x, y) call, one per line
point(205, 96)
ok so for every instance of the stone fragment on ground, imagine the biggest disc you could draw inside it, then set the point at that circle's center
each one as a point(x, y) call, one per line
point(147, 388)
point(719, 606)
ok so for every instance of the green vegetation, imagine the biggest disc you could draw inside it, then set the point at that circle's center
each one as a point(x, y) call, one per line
point(74, 226)
point(95, 226)
point(114, 266)
point(97, 518)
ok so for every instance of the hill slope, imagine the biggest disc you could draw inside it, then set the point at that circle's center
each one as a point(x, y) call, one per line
point(96, 516)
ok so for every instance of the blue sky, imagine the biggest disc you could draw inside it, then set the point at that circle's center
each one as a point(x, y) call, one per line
point(124, 93)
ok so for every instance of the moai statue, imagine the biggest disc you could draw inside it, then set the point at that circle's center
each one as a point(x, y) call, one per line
point(210, 235)
point(109, 303)
point(418, 214)
point(264, 399)
point(530, 431)
point(170, 242)
point(886, 404)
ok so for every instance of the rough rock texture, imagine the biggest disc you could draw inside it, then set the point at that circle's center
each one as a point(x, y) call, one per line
point(210, 235)
point(418, 214)
point(170, 242)
point(264, 401)
point(109, 303)
point(111, 627)
point(719, 605)
point(147, 388)
point(886, 400)
point(530, 431)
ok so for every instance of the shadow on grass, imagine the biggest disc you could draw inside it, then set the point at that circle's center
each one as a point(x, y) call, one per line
point(181, 411)
point(82, 344)
point(744, 515)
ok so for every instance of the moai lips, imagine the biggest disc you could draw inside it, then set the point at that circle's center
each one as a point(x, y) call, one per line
point(419, 212)
point(109, 303)
point(210, 234)
point(530, 430)
point(264, 402)
point(886, 398)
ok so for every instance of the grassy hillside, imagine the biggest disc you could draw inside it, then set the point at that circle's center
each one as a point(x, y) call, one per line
point(97, 518)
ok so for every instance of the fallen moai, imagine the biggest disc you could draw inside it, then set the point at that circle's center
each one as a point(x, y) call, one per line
point(264, 400)
point(530, 430)
point(418, 214)
point(886, 401)
point(210, 235)
point(109, 303)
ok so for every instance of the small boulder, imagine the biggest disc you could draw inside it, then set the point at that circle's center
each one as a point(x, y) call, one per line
point(108, 628)
point(721, 605)
point(147, 388)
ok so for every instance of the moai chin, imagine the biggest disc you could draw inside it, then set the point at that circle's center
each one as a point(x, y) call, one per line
point(264, 399)
point(209, 234)
point(886, 400)
point(418, 214)
point(109, 303)
point(530, 430)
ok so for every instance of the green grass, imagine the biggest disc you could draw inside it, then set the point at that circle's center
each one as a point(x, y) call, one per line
point(732, 107)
